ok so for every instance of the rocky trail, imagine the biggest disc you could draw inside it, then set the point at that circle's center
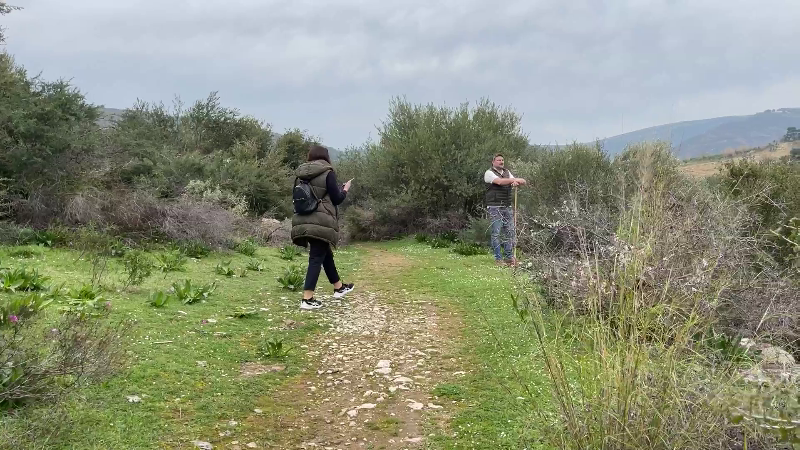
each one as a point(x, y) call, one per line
point(374, 371)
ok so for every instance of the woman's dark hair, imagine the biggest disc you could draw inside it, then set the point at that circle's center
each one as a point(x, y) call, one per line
point(318, 152)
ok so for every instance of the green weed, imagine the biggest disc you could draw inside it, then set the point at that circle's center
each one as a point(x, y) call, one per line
point(21, 279)
point(246, 247)
point(158, 299)
point(224, 269)
point(292, 278)
point(289, 252)
point(174, 261)
point(187, 293)
point(273, 349)
point(255, 266)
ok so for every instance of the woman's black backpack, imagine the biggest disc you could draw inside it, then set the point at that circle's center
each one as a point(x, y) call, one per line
point(304, 199)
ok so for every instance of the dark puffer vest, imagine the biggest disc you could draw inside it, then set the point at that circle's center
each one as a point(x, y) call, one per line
point(497, 195)
point(322, 224)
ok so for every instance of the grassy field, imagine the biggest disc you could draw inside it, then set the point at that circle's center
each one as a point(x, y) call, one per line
point(710, 166)
point(185, 362)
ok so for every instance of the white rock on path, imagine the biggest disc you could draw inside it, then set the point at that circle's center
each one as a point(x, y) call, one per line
point(403, 380)
point(415, 405)
point(383, 371)
point(367, 406)
point(384, 363)
point(202, 445)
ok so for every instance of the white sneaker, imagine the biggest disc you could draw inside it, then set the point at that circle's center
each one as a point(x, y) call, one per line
point(339, 293)
point(310, 304)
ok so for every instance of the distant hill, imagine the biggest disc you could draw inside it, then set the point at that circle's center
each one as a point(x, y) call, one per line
point(109, 115)
point(695, 138)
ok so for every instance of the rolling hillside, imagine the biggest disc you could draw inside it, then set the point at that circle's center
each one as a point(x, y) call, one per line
point(692, 139)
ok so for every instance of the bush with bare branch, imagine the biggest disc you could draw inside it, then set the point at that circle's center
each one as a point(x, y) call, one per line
point(633, 291)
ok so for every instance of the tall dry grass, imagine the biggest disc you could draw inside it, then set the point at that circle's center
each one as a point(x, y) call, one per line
point(624, 306)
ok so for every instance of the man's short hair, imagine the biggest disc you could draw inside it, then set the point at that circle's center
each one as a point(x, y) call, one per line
point(498, 154)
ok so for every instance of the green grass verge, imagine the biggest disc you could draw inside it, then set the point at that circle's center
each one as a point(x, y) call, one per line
point(183, 361)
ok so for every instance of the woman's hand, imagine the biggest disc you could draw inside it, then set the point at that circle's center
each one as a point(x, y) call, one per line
point(347, 185)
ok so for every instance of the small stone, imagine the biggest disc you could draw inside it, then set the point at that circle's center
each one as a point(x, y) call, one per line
point(257, 411)
point(432, 406)
point(384, 371)
point(415, 440)
point(202, 363)
point(403, 380)
point(384, 363)
point(367, 406)
point(233, 423)
point(134, 398)
point(252, 445)
point(776, 357)
point(211, 320)
point(352, 412)
point(392, 389)
point(202, 445)
point(416, 406)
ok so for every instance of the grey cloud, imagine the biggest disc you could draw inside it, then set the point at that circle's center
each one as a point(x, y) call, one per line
point(573, 69)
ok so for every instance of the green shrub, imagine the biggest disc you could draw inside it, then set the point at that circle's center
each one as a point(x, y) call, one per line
point(462, 139)
point(771, 189)
point(138, 267)
point(421, 238)
point(42, 238)
point(187, 293)
point(292, 278)
point(440, 243)
point(289, 252)
point(158, 299)
point(478, 231)
point(173, 261)
point(24, 253)
point(469, 249)
point(255, 266)
point(224, 269)
point(449, 236)
point(246, 247)
point(273, 349)
point(85, 302)
point(21, 279)
point(194, 249)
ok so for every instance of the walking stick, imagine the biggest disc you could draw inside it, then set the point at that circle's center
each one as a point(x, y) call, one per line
point(515, 225)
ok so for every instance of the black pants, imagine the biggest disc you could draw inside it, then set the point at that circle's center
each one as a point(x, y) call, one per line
point(320, 255)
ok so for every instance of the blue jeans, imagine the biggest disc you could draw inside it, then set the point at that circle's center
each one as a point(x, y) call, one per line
point(503, 233)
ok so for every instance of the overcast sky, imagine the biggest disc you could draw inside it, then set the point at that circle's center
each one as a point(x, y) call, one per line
point(572, 68)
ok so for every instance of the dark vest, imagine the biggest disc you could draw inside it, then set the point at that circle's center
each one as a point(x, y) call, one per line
point(497, 195)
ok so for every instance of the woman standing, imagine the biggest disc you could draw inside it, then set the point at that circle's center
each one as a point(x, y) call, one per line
point(320, 229)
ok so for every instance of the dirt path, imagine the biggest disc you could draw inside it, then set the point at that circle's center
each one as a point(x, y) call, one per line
point(374, 370)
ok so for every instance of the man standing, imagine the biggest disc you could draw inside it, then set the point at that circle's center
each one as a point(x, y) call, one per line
point(499, 183)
